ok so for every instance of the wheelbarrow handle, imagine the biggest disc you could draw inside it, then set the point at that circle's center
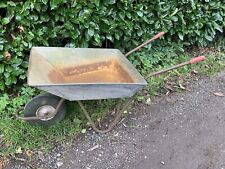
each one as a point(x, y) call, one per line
point(197, 59)
point(192, 61)
point(146, 43)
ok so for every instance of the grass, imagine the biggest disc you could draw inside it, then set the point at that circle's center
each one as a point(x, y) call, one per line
point(18, 137)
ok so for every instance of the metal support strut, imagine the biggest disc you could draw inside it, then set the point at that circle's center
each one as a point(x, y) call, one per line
point(115, 121)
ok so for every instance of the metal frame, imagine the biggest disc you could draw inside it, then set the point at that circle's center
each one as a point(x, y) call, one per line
point(113, 123)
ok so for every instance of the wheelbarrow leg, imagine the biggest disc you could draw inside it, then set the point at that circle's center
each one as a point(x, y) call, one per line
point(115, 121)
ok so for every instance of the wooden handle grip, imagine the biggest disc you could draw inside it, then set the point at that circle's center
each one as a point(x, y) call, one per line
point(197, 59)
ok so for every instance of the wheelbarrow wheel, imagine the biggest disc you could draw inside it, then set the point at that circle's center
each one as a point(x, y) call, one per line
point(45, 105)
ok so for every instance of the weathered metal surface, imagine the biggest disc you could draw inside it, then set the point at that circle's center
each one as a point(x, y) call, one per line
point(83, 73)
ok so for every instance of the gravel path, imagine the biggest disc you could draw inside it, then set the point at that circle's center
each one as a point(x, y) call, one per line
point(182, 131)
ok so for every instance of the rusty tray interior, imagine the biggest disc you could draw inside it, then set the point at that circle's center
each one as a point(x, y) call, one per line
point(55, 66)
point(101, 72)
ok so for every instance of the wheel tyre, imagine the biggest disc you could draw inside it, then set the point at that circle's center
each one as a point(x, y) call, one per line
point(44, 100)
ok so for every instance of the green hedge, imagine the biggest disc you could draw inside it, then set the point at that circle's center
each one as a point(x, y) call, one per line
point(93, 23)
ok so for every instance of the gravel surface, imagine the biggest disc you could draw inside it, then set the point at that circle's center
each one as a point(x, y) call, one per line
point(181, 131)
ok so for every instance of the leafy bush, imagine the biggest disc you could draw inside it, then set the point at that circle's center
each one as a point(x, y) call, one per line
point(109, 23)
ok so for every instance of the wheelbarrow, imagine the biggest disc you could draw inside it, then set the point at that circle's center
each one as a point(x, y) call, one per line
point(77, 74)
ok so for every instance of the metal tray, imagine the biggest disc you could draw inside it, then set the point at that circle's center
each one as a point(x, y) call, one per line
point(83, 73)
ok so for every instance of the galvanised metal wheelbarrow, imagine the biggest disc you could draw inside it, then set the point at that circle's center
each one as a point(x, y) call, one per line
point(77, 74)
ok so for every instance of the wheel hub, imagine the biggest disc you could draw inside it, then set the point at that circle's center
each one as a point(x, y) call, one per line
point(46, 111)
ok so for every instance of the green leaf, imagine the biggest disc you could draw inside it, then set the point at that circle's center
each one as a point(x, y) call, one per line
point(2, 68)
point(6, 74)
point(117, 36)
point(97, 38)
point(174, 18)
point(209, 38)
point(5, 21)
point(11, 3)
point(181, 37)
point(2, 87)
point(106, 21)
point(111, 1)
point(218, 17)
point(109, 37)
point(139, 32)
point(91, 32)
point(54, 3)
point(18, 18)
point(3, 5)
point(96, 2)
point(140, 98)
point(26, 5)
point(217, 27)
point(174, 13)
point(73, 3)
point(139, 13)
point(44, 1)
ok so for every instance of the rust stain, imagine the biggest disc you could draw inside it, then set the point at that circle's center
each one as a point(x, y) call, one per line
point(101, 72)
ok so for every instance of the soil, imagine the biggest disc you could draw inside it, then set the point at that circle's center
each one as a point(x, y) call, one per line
point(181, 131)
